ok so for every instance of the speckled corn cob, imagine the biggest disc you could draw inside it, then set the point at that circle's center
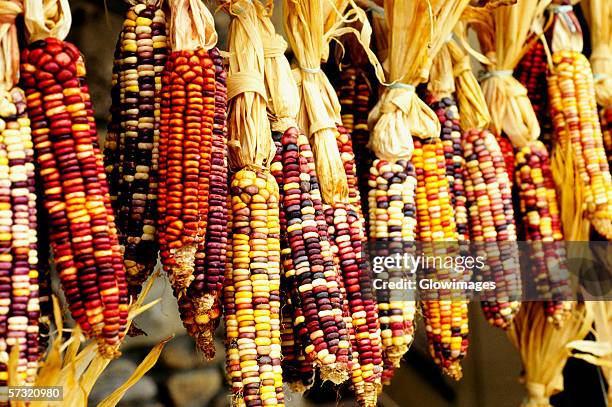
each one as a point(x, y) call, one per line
point(575, 120)
point(82, 233)
point(310, 272)
point(531, 72)
point(345, 145)
point(445, 314)
point(446, 110)
point(392, 229)
point(256, 282)
point(19, 303)
point(132, 144)
point(492, 228)
point(538, 200)
point(346, 229)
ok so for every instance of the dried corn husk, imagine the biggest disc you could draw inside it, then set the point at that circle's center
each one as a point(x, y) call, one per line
point(250, 140)
point(9, 46)
point(470, 100)
point(602, 313)
point(566, 30)
point(284, 98)
point(191, 26)
point(502, 35)
point(76, 365)
point(599, 16)
point(400, 115)
point(310, 25)
point(441, 81)
point(46, 18)
point(544, 348)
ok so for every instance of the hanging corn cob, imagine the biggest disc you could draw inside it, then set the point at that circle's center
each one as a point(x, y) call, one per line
point(580, 163)
point(538, 200)
point(82, 235)
point(132, 142)
point(400, 118)
point(599, 14)
point(192, 222)
point(309, 35)
point(254, 337)
point(309, 270)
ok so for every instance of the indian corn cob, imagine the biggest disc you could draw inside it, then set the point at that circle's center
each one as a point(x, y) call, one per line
point(345, 145)
point(82, 231)
point(492, 228)
point(132, 143)
point(19, 303)
point(577, 129)
point(309, 268)
point(531, 72)
point(256, 280)
point(446, 110)
point(192, 187)
point(392, 230)
point(445, 314)
point(538, 200)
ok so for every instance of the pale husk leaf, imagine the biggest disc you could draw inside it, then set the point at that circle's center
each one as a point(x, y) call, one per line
point(400, 115)
point(599, 16)
point(76, 365)
point(470, 100)
point(503, 36)
point(47, 18)
point(543, 348)
point(566, 31)
point(283, 93)
point(441, 81)
point(9, 47)
point(602, 314)
point(319, 107)
point(250, 139)
point(191, 26)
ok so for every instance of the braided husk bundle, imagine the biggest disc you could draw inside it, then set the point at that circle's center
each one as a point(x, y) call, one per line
point(400, 115)
point(502, 35)
point(544, 348)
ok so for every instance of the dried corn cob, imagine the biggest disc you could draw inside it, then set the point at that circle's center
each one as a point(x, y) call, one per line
point(131, 147)
point(538, 200)
point(605, 115)
point(492, 228)
point(19, 305)
point(392, 230)
point(82, 231)
point(446, 110)
point(346, 229)
point(255, 278)
point(446, 313)
point(345, 145)
point(309, 269)
point(577, 129)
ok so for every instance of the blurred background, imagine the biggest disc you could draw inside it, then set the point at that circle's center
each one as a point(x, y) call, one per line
point(182, 378)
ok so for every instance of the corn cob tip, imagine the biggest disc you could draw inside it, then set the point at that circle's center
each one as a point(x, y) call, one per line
point(454, 371)
point(563, 311)
point(106, 350)
point(298, 387)
point(206, 343)
point(206, 314)
point(395, 353)
point(336, 373)
point(182, 274)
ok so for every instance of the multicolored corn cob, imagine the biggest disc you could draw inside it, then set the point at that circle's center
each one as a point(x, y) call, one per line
point(345, 145)
point(538, 199)
point(531, 73)
point(492, 228)
point(308, 263)
point(19, 302)
point(446, 110)
point(392, 232)
point(255, 293)
point(576, 124)
point(132, 144)
point(82, 230)
point(445, 313)
point(192, 224)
